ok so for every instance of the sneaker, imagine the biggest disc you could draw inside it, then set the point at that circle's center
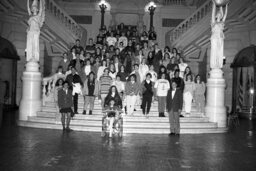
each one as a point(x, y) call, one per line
point(84, 112)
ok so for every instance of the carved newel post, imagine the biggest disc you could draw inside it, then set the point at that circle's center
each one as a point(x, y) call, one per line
point(31, 78)
point(215, 108)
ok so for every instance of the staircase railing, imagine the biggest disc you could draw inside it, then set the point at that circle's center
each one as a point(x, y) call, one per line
point(49, 85)
point(64, 18)
point(173, 2)
point(197, 16)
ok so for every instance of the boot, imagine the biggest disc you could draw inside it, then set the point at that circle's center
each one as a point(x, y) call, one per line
point(90, 112)
point(84, 112)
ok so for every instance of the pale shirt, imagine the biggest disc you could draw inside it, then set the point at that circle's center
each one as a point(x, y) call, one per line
point(153, 74)
point(173, 93)
point(87, 69)
point(111, 41)
point(124, 40)
point(119, 86)
point(182, 67)
point(162, 86)
point(100, 72)
point(189, 87)
point(143, 69)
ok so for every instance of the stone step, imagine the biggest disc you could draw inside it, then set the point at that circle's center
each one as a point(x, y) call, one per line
point(128, 124)
point(53, 125)
point(140, 118)
point(97, 102)
point(136, 113)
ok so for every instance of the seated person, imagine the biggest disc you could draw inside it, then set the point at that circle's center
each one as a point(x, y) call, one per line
point(112, 115)
point(113, 94)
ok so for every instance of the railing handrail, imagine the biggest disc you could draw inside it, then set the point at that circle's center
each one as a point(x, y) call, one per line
point(173, 2)
point(64, 17)
point(193, 16)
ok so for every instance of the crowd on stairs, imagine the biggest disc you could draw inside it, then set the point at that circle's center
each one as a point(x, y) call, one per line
point(129, 68)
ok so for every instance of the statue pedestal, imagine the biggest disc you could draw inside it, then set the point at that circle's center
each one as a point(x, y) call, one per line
point(215, 108)
point(30, 102)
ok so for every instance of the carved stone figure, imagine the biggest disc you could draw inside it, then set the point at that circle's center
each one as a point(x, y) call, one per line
point(217, 38)
point(35, 22)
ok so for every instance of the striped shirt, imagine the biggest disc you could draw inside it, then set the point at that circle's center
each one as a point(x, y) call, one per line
point(105, 83)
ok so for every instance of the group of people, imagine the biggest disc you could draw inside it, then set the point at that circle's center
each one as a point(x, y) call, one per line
point(129, 68)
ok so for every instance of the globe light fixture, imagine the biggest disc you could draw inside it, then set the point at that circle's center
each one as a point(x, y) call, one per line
point(221, 2)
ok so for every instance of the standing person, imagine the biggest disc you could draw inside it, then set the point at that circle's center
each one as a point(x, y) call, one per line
point(75, 84)
point(64, 62)
point(104, 84)
point(199, 94)
point(182, 67)
point(65, 104)
point(131, 91)
point(143, 69)
point(90, 91)
point(101, 69)
point(153, 73)
point(58, 86)
point(147, 90)
point(174, 105)
point(162, 86)
point(77, 47)
point(188, 94)
point(123, 75)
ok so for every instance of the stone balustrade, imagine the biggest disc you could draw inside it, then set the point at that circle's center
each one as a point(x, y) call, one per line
point(49, 85)
point(197, 16)
point(63, 17)
point(173, 2)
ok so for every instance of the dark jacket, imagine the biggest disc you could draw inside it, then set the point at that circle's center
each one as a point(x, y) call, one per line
point(176, 102)
point(73, 79)
point(65, 100)
point(147, 91)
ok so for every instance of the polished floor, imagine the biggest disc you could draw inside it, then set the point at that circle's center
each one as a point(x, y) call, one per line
point(42, 149)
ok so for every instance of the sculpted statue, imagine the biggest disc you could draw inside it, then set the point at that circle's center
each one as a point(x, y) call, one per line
point(35, 22)
point(217, 38)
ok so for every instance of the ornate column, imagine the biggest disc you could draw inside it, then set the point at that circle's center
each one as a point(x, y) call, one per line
point(103, 8)
point(151, 10)
point(30, 102)
point(215, 108)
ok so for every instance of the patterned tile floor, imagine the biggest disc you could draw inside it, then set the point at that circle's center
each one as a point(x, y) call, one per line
point(41, 149)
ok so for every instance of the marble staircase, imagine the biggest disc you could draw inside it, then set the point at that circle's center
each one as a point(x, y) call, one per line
point(196, 123)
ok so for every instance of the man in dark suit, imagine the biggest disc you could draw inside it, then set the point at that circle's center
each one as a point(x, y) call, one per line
point(174, 107)
point(72, 80)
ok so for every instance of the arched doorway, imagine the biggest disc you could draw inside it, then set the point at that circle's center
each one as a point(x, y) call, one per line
point(244, 67)
point(8, 70)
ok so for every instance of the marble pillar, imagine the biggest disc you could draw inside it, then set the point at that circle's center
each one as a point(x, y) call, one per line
point(30, 102)
point(215, 108)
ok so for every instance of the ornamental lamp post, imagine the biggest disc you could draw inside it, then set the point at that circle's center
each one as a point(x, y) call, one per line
point(103, 7)
point(151, 9)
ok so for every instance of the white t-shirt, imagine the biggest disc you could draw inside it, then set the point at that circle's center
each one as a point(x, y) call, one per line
point(162, 86)
point(111, 41)
point(87, 69)
point(124, 40)
point(182, 67)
